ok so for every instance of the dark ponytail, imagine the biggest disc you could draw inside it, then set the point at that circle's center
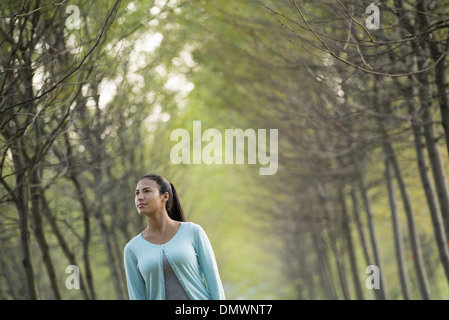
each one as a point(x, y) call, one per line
point(173, 205)
point(175, 212)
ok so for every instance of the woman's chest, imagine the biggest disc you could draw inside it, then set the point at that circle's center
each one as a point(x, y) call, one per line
point(179, 255)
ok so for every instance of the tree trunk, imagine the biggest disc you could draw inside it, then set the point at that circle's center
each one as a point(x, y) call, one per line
point(437, 222)
point(21, 196)
point(40, 234)
point(440, 68)
point(86, 236)
point(99, 215)
point(360, 227)
point(382, 292)
point(307, 288)
point(436, 162)
point(325, 272)
point(61, 241)
point(86, 220)
point(437, 167)
point(414, 237)
point(330, 225)
point(440, 226)
point(350, 246)
point(339, 261)
point(94, 145)
point(402, 267)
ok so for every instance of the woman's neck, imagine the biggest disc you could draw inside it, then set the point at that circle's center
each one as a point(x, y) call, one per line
point(158, 223)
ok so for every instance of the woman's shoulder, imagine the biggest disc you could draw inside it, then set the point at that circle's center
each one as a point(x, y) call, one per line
point(194, 230)
point(134, 242)
point(192, 226)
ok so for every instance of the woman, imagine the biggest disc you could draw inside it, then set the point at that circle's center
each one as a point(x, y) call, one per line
point(170, 258)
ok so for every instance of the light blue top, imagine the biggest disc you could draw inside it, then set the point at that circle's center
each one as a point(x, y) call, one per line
point(191, 257)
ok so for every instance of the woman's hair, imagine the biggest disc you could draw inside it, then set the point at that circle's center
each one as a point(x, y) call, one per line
point(173, 206)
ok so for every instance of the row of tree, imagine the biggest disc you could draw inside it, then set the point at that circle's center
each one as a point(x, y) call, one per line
point(61, 146)
point(363, 148)
point(383, 93)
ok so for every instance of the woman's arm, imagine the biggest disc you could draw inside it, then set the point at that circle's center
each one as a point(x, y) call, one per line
point(134, 280)
point(206, 259)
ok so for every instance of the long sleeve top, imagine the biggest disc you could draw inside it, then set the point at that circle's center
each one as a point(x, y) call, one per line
point(191, 257)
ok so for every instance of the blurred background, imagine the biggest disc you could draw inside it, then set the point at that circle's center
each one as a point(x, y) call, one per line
point(90, 92)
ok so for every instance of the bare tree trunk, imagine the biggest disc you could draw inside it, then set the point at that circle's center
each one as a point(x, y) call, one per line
point(440, 68)
point(420, 62)
point(436, 162)
point(62, 243)
point(414, 238)
point(307, 288)
point(360, 227)
point(86, 236)
point(39, 232)
point(437, 167)
point(402, 267)
point(339, 261)
point(325, 272)
point(350, 245)
point(112, 259)
point(115, 277)
point(437, 222)
point(73, 176)
point(21, 197)
point(382, 292)
point(330, 225)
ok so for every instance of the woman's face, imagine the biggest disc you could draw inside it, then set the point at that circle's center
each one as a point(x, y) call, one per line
point(148, 199)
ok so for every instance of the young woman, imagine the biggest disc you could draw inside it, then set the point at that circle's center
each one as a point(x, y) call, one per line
point(171, 259)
